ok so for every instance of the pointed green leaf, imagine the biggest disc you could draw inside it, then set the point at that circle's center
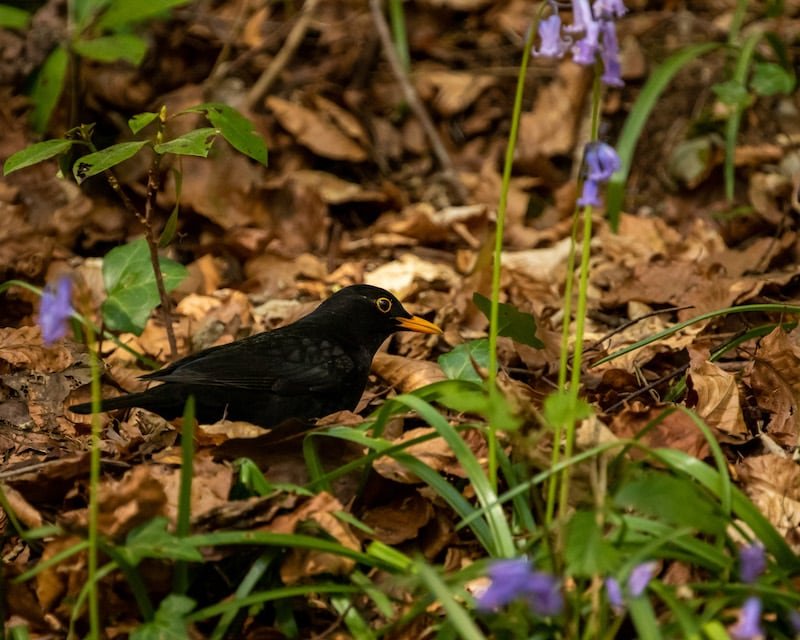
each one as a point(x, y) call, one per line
point(120, 46)
point(47, 88)
point(35, 154)
point(121, 13)
point(13, 18)
point(97, 162)
point(236, 129)
point(770, 79)
point(194, 143)
point(169, 622)
point(141, 120)
point(172, 222)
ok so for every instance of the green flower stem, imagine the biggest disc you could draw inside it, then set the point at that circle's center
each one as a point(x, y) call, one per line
point(94, 485)
point(498, 238)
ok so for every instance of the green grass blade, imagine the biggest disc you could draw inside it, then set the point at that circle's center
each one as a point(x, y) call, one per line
point(456, 614)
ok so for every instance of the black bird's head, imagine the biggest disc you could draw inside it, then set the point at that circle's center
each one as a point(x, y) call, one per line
point(370, 315)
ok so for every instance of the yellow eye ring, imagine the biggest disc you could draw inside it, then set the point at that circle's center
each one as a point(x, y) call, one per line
point(384, 305)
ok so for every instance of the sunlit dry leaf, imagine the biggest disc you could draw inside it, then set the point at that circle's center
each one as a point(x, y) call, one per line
point(211, 484)
point(52, 582)
point(402, 276)
point(23, 347)
point(334, 190)
point(25, 512)
point(399, 520)
point(773, 484)
point(313, 130)
point(226, 429)
point(775, 379)
point(717, 397)
point(406, 374)
point(769, 193)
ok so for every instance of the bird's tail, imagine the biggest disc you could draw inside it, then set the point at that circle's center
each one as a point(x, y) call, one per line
point(165, 399)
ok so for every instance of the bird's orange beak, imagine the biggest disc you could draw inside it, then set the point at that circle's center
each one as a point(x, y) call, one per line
point(420, 325)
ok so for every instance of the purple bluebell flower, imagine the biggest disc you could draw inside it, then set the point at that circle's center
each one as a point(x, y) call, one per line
point(552, 44)
point(55, 310)
point(640, 577)
point(607, 9)
point(748, 626)
point(609, 52)
point(752, 562)
point(794, 620)
point(614, 594)
point(515, 579)
point(601, 161)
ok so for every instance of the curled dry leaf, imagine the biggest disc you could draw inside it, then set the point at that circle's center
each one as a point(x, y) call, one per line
point(315, 131)
point(716, 398)
point(399, 520)
point(406, 374)
point(775, 380)
point(23, 348)
point(211, 486)
point(452, 91)
point(773, 484)
point(401, 276)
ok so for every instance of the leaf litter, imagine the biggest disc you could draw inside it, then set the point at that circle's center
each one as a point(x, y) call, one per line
point(352, 193)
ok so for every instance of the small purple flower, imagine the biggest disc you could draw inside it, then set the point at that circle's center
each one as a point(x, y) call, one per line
point(752, 562)
point(794, 620)
point(515, 579)
point(601, 161)
point(552, 44)
point(748, 626)
point(614, 594)
point(608, 9)
point(55, 309)
point(609, 52)
point(640, 577)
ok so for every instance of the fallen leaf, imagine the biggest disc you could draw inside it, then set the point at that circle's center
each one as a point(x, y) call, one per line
point(406, 374)
point(714, 393)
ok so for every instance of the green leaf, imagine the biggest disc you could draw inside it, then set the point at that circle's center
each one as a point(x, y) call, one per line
point(169, 622)
point(691, 161)
point(511, 322)
point(458, 363)
point(13, 18)
point(731, 93)
point(141, 120)
point(236, 129)
point(124, 12)
point(561, 408)
point(120, 46)
point(131, 285)
point(97, 162)
point(36, 153)
point(152, 540)
point(770, 79)
point(47, 88)
point(637, 118)
point(194, 143)
point(671, 500)
point(586, 550)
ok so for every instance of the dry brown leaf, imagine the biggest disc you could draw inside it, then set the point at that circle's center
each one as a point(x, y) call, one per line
point(402, 276)
point(772, 482)
point(406, 374)
point(452, 91)
point(301, 563)
point(334, 190)
point(314, 130)
point(775, 380)
point(715, 395)
point(399, 520)
point(25, 512)
point(23, 347)
point(211, 485)
point(676, 431)
point(550, 127)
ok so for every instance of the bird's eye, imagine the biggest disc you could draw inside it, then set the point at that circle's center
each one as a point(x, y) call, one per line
point(384, 305)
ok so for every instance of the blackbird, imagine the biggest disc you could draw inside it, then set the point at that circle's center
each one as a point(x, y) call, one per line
point(304, 370)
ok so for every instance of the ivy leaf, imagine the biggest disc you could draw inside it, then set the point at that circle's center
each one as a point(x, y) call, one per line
point(511, 322)
point(131, 285)
point(459, 364)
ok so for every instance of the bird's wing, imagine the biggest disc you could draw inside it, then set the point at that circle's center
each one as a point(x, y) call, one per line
point(289, 364)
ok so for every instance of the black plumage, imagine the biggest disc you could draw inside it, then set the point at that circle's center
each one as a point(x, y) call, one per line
point(304, 370)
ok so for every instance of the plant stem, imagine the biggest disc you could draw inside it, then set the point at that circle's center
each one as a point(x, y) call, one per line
point(94, 486)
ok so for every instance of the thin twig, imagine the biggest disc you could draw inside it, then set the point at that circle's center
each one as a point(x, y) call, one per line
point(153, 184)
point(293, 40)
point(414, 103)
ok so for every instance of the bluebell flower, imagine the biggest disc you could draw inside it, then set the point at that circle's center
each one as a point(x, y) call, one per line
point(601, 161)
point(515, 579)
point(552, 44)
point(55, 310)
point(640, 577)
point(752, 562)
point(748, 626)
point(609, 52)
point(607, 9)
point(614, 594)
point(794, 620)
